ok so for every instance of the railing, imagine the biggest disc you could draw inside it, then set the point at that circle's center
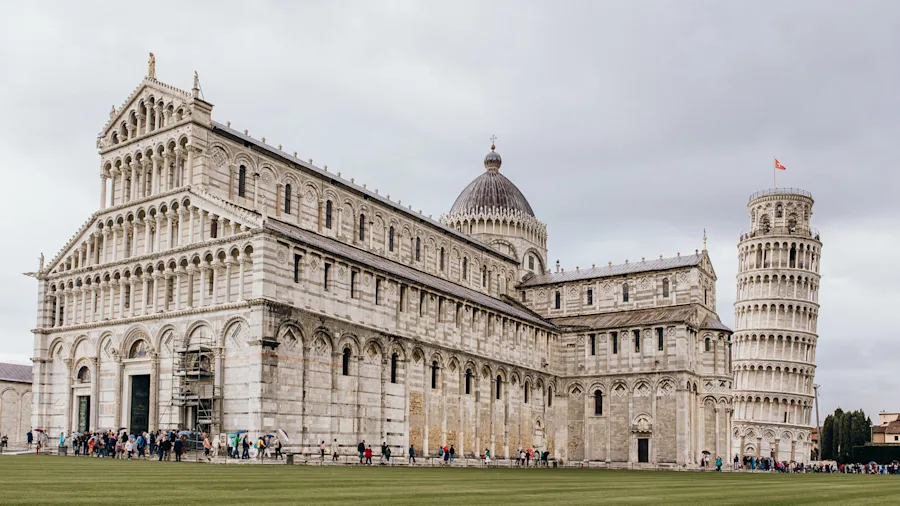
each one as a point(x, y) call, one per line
point(780, 191)
point(800, 232)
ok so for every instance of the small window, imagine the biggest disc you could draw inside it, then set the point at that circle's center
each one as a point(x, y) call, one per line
point(242, 181)
point(707, 345)
point(624, 292)
point(484, 276)
point(328, 214)
point(785, 417)
point(659, 338)
point(377, 292)
point(499, 384)
point(325, 277)
point(615, 342)
point(362, 227)
point(549, 397)
point(402, 298)
point(441, 261)
point(590, 296)
point(598, 402)
point(530, 262)
point(421, 302)
point(418, 249)
point(593, 339)
point(434, 374)
point(391, 239)
point(523, 295)
point(213, 229)
point(345, 363)
point(637, 341)
point(557, 300)
point(353, 291)
point(287, 199)
point(468, 381)
point(210, 281)
point(527, 388)
point(296, 267)
point(465, 268)
point(666, 287)
point(84, 375)
point(394, 368)
point(705, 296)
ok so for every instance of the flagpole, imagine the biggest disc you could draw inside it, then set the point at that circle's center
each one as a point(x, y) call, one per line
point(774, 174)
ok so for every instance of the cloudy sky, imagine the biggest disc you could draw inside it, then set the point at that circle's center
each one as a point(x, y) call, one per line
point(630, 126)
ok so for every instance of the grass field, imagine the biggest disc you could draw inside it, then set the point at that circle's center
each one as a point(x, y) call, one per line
point(29, 479)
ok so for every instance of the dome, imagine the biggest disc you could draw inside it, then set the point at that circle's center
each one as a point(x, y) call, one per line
point(491, 189)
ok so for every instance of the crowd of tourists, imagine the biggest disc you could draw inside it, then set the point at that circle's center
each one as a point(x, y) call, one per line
point(161, 445)
point(751, 463)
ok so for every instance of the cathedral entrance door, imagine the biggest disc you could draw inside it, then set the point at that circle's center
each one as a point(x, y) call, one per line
point(84, 413)
point(140, 403)
point(643, 449)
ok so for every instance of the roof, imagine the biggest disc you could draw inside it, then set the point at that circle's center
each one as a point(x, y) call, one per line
point(614, 270)
point(634, 317)
point(15, 373)
point(491, 190)
point(712, 323)
point(888, 428)
point(401, 271)
point(335, 179)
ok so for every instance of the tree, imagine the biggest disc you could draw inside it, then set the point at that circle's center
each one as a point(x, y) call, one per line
point(826, 438)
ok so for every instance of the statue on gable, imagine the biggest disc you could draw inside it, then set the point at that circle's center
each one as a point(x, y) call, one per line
point(151, 67)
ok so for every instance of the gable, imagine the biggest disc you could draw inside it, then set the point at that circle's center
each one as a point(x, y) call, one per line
point(148, 98)
point(706, 265)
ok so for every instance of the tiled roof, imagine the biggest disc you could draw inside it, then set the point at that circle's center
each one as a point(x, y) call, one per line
point(357, 188)
point(634, 317)
point(713, 323)
point(401, 271)
point(660, 264)
point(15, 372)
point(491, 190)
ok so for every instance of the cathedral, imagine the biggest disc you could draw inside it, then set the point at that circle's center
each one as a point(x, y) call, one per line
point(224, 284)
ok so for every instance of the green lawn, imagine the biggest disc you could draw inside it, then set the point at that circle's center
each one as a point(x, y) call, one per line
point(29, 479)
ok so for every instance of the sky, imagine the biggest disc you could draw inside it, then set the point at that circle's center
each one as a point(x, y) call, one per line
point(630, 126)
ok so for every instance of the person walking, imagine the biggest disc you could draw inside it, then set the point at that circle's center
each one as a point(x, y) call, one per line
point(383, 450)
point(245, 448)
point(334, 451)
point(260, 448)
point(412, 454)
point(718, 464)
point(207, 447)
point(387, 454)
point(277, 446)
point(452, 452)
point(361, 448)
point(179, 447)
point(30, 438)
point(368, 455)
point(164, 448)
point(322, 451)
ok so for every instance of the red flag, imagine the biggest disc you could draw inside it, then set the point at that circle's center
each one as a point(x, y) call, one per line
point(779, 166)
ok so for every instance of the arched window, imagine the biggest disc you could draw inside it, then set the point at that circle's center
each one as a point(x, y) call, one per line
point(242, 181)
point(484, 276)
point(287, 198)
point(328, 214)
point(706, 345)
point(394, 368)
point(84, 375)
point(530, 263)
point(465, 268)
point(598, 402)
point(499, 383)
point(779, 211)
point(665, 287)
point(468, 381)
point(434, 374)
point(549, 397)
point(362, 227)
point(418, 249)
point(557, 298)
point(391, 239)
point(138, 349)
point(345, 365)
point(527, 388)
point(441, 261)
point(624, 292)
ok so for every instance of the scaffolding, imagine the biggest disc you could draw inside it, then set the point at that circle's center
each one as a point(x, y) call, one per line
point(194, 393)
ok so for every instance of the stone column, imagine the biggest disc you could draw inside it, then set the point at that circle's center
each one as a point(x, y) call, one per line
point(95, 392)
point(242, 262)
point(179, 273)
point(103, 191)
point(134, 179)
point(214, 272)
point(115, 241)
point(170, 235)
point(203, 269)
point(167, 177)
point(145, 169)
point(70, 394)
point(112, 293)
point(177, 172)
point(84, 292)
point(119, 393)
point(278, 201)
point(231, 176)
point(228, 264)
point(256, 191)
point(154, 174)
point(122, 287)
point(153, 423)
point(191, 224)
point(122, 184)
point(158, 220)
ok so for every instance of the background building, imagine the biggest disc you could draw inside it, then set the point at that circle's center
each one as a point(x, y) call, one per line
point(15, 402)
point(775, 316)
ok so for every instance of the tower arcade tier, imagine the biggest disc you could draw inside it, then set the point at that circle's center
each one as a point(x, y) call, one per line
point(775, 314)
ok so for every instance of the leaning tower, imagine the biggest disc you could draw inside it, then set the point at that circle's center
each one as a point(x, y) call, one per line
point(775, 313)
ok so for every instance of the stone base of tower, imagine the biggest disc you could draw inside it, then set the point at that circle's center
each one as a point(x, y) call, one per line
point(783, 442)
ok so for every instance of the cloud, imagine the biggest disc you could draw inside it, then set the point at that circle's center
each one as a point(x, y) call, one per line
point(630, 126)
